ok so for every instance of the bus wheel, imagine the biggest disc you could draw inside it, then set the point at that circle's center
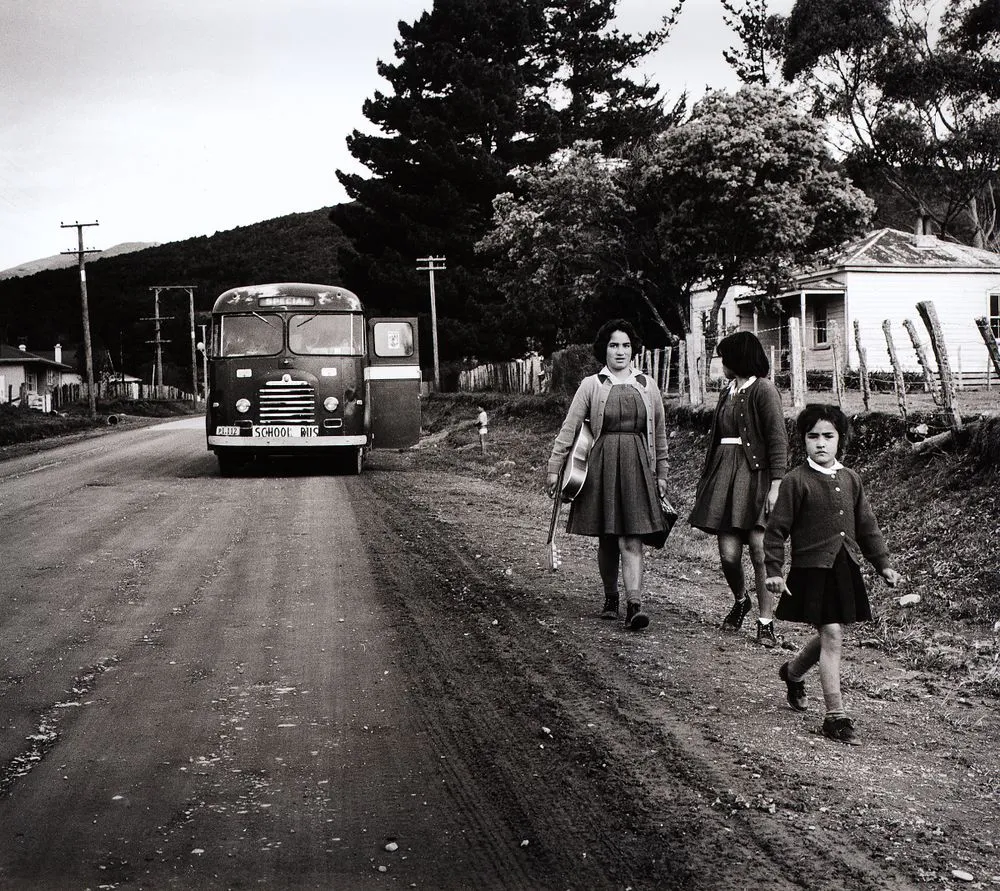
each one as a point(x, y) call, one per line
point(348, 461)
point(353, 459)
point(228, 464)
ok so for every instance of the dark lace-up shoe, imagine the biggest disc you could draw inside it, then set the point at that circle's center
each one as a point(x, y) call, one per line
point(796, 690)
point(610, 610)
point(765, 634)
point(635, 618)
point(841, 730)
point(734, 621)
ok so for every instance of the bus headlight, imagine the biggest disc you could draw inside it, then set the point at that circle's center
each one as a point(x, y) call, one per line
point(331, 403)
point(243, 405)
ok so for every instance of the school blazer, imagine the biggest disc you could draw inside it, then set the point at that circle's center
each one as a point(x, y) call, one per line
point(590, 401)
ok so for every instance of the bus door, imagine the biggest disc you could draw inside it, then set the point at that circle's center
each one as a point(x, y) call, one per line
point(393, 383)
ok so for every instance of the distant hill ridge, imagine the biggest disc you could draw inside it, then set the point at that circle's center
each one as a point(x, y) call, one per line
point(61, 261)
point(42, 307)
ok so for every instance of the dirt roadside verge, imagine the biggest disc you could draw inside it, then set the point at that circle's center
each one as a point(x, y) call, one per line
point(692, 724)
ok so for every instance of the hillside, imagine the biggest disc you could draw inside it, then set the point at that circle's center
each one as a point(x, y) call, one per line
point(44, 308)
point(65, 260)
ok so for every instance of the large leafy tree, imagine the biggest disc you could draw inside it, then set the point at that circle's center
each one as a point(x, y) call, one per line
point(914, 92)
point(570, 248)
point(741, 192)
point(749, 193)
point(478, 88)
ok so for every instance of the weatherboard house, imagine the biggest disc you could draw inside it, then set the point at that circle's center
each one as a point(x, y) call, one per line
point(28, 378)
point(876, 279)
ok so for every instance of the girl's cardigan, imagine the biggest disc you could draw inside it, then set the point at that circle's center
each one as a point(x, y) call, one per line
point(588, 404)
point(762, 428)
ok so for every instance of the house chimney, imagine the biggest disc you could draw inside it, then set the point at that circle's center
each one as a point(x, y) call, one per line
point(57, 353)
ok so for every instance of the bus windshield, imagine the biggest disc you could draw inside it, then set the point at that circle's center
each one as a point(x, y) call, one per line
point(319, 334)
point(253, 335)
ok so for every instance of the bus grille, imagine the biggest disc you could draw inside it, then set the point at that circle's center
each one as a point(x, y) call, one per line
point(287, 402)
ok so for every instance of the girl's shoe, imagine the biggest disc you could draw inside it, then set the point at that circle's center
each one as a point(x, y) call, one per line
point(610, 610)
point(796, 690)
point(840, 729)
point(765, 634)
point(734, 621)
point(635, 618)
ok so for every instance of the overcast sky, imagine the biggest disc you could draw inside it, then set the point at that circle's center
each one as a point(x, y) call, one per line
point(167, 119)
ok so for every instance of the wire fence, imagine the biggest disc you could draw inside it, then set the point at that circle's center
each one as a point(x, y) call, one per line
point(873, 359)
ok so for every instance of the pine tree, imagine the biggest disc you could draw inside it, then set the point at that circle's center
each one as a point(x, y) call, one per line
point(591, 61)
point(474, 92)
point(461, 113)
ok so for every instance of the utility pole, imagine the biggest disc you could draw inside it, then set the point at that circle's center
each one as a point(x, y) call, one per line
point(87, 353)
point(431, 268)
point(157, 340)
point(194, 355)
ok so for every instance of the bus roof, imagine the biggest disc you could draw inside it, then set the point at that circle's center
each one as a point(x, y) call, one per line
point(251, 298)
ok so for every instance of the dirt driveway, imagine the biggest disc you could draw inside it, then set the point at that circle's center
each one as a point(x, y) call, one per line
point(685, 729)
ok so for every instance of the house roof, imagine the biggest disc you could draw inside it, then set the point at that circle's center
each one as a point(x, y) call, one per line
point(895, 249)
point(10, 355)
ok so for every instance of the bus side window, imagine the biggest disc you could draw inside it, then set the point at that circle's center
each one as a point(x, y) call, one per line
point(393, 339)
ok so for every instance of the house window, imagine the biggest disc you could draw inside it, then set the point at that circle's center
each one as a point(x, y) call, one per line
point(995, 314)
point(722, 319)
point(820, 324)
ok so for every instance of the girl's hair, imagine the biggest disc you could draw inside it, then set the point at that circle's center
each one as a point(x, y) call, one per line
point(815, 412)
point(604, 337)
point(742, 353)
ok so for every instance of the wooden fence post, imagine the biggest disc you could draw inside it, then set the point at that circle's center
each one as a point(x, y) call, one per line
point(897, 371)
point(930, 386)
point(668, 355)
point(982, 323)
point(796, 371)
point(682, 360)
point(838, 362)
point(863, 381)
point(696, 370)
point(929, 315)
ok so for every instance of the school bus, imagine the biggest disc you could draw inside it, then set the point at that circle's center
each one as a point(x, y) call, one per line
point(299, 369)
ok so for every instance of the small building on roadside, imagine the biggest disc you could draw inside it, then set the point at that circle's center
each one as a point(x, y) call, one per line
point(30, 378)
point(876, 279)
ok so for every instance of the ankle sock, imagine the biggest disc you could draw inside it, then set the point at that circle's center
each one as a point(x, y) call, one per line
point(834, 705)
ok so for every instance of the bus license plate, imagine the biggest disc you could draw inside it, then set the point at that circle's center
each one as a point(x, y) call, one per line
point(286, 431)
point(227, 431)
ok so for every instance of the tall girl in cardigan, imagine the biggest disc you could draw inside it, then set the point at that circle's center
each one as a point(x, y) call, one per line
point(746, 459)
point(627, 471)
point(823, 509)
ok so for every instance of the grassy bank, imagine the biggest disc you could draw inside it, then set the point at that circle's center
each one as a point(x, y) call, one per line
point(22, 425)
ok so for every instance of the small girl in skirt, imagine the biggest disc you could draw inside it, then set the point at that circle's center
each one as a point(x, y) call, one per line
point(822, 508)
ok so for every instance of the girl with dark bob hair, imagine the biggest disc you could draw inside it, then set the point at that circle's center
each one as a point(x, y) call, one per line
point(743, 354)
point(619, 500)
point(603, 337)
point(822, 411)
point(745, 461)
point(822, 508)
